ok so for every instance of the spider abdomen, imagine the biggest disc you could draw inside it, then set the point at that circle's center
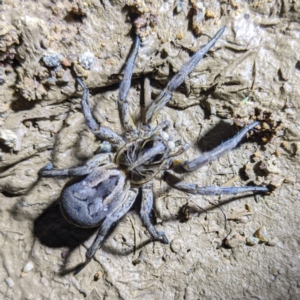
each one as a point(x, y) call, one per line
point(88, 202)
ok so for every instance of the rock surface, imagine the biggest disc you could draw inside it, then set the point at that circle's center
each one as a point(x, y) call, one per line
point(253, 72)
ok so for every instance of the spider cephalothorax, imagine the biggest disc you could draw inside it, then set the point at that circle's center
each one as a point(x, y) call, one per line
point(143, 159)
point(111, 180)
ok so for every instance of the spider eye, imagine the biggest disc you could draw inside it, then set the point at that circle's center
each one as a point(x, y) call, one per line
point(158, 157)
point(148, 145)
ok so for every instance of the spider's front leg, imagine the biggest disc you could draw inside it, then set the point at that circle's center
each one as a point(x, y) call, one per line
point(108, 223)
point(101, 132)
point(164, 97)
point(203, 159)
point(146, 208)
point(123, 106)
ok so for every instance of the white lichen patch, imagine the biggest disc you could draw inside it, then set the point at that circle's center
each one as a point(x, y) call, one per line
point(8, 138)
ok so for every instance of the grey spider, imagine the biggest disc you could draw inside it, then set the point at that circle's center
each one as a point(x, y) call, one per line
point(112, 180)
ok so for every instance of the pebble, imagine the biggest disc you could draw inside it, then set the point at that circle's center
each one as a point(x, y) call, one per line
point(175, 246)
point(27, 268)
point(273, 242)
point(66, 77)
point(252, 240)
point(262, 234)
point(65, 62)
point(9, 281)
point(52, 60)
point(98, 275)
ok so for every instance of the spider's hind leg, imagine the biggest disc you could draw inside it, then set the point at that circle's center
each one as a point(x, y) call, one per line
point(192, 165)
point(146, 208)
point(121, 209)
point(195, 189)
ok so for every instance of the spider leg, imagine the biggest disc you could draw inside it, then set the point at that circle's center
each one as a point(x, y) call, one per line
point(166, 94)
point(146, 208)
point(101, 132)
point(189, 166)
point(109, 221)
point(192, 165)
point(124, 113)
point(90, 165)
point(210, 190)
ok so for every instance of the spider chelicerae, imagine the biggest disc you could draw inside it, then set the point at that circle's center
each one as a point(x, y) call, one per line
point(111, 180)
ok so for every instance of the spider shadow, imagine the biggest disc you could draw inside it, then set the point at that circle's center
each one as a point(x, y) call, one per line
point(220, 133)
point(54, 231)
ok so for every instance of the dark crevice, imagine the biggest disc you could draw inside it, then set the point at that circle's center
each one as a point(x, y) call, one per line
point(71, 17)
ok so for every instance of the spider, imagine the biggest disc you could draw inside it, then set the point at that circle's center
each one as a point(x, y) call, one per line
point(111, 180)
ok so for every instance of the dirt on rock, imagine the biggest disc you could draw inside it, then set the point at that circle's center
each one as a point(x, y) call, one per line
point(221, 247)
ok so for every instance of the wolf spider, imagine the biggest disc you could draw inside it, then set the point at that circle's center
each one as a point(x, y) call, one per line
point(112, 180)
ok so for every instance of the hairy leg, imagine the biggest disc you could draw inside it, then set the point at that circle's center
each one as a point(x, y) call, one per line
point(195, 189)
point(124, 113)
point(146, 208)
point(166, 94)
point(90, 165)
point(108, 223)
point(101, 132)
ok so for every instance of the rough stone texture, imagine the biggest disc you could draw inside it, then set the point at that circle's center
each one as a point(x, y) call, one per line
point(253, 72)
